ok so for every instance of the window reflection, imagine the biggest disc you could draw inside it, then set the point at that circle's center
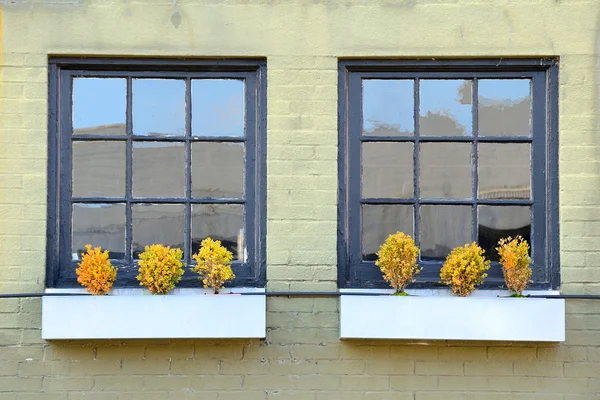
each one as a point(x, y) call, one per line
point(99, 169)
point(218, 170)
point(444, 228)
point(99, 106)
point(218, 107)
point(224, 222)
point(446, 107)
point(388, 107)
point(497, 222)
point(504, 171)
point(445, 170)
point(159, 107)
point(157, 224)
point(379, 221)
point(98, 225)
point(158, 169)
point(504, 107)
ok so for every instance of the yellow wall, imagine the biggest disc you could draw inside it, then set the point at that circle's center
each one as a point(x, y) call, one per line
point(302, 357)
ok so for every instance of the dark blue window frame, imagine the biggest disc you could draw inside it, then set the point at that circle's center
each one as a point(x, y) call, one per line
point(353, 271)
point(59, 264)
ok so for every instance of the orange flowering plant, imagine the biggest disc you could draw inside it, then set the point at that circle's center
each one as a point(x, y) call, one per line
point(160, 268)
point(95, 271)
point(397, 259)
point(214, 264)
point(464, 268)
point(514, 257)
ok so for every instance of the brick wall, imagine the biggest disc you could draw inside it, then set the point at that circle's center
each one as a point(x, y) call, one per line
point(302, 357)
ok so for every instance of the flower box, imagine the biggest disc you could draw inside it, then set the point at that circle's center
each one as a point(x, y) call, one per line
point(452, 318)
point(136, 314)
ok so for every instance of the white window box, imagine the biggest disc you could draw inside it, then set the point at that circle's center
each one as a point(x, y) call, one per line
point(136, 314)
point(437, 315)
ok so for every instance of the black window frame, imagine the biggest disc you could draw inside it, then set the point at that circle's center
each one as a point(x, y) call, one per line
point(62, 70)
point(353, 272)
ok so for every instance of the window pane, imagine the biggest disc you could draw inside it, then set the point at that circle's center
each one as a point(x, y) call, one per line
point(504, 171)
point(388, 107)
point(98, 169)
point(443, 228)
point(446, 107)
point(497, 222)
point(445, 170)
point(98, 225)
point(157, 224)
point(379, 221)
point(99, 106)
point(158, 169)
point(218, 107)
point(224, 222)
point(159, 107)
point(217, 169)
point(504, 107)
point(387, 169)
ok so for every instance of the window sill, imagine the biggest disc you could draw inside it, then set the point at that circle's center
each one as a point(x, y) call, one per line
point(439, 315)
point(136, 314)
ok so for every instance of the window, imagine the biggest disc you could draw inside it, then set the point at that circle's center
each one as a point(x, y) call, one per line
point(156, 151)
point(448, 151)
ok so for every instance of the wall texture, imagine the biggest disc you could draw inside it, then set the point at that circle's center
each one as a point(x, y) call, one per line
point(302, 357)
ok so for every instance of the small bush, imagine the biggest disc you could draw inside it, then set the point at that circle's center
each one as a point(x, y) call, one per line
point(464, 268)
point(397, 259)
point(160, 268)
point(95, 271)
point(514, 257)
point(214, 264)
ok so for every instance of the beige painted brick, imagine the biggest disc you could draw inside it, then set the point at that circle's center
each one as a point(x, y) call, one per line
point(407, 383)
point(118, 383)
point(511, 354)
point(367, 383)
point(488, 368)
point(582, 370)
point(68, 384)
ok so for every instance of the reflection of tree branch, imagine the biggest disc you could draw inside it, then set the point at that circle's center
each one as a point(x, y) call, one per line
point(382, 129)
point(440, 122)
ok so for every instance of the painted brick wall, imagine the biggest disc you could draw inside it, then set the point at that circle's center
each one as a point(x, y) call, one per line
point(302, 357)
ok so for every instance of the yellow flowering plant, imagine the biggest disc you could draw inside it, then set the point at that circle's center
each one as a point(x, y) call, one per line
point(160, 268)
point(397, 259)
point(464, 268)
point(514, 257)
point(95, 272)
point(214, 264)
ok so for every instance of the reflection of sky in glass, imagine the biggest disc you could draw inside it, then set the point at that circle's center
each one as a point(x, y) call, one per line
point(158, 106)
point(217, 107)
point(502, 91)
point(99, 101)
point(388, 106)
point(446, 98)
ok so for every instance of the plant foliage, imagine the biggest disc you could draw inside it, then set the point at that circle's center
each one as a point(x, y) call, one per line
point(514, 257)
point(214, 264)
point(95, 271)
point(397, 259)
point(464, 268)
point(160, 268)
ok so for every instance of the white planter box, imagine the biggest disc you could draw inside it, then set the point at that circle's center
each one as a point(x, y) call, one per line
point(185, 314)
point(452, 318)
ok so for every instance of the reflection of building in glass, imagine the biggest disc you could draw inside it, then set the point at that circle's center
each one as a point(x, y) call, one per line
point(158, 171)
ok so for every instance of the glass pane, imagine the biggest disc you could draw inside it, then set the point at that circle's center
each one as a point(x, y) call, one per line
point(504, 107)
point(98, 169)
point(446, 107)
point(504, 171)
point(218, 169)
point(224, 222)
point(445, 170)
point(99, 225)
point(387, 169)
point(388, 107)
point(443, 228)
point(497, 222)
point(157, 224)
point(218, 107)
point(99, 106)
point(158, 169)
point(379, 221)
point(159, 107)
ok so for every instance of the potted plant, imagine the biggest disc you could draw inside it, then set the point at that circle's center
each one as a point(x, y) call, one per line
point(464, 268)
point(160, 268)
point(95, 272)
point(214, 264)
point(397, 259)
point(514, 257)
